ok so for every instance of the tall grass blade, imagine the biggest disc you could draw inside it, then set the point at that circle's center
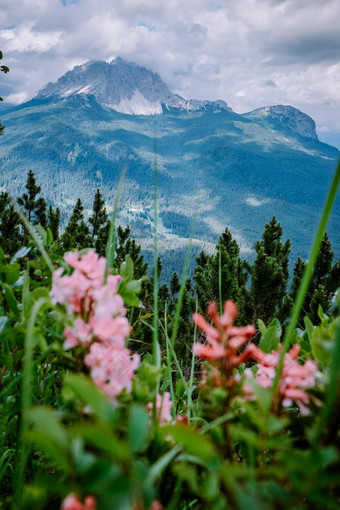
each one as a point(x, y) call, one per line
point(308, 272)
point(169, 363)
point(112, 238)
point(192, 371)
point(332, 388)
point(155, 339)
point(220, 280)
point(34, 234)
point(184, 280)
point(22, 448)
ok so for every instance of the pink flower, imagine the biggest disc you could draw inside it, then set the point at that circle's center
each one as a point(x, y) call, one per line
point(112, 369)
point(294, 377)
point(72, 502)
point(114, 330)
point(69, 290)
point(100, 325)
point(90, 264)
point(79, 334)
point(224, 339)
point(163, 407)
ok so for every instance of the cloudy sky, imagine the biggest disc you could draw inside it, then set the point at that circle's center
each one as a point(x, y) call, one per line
point(250, 53)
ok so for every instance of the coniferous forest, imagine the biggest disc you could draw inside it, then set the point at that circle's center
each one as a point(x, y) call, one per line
point(111, 397)
point(218, 389)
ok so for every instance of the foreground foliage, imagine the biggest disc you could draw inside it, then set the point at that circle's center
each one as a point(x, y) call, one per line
point(87, 423)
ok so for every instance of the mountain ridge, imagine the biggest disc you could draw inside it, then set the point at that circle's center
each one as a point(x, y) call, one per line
point(241, 169)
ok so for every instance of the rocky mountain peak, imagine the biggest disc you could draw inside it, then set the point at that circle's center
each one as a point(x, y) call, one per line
point(125, 87)
point(286, 117)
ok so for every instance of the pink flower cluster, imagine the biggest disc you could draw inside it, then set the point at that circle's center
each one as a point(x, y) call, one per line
point(295, 378)
point(163, 407)
point(100, 324)
point(225, 341)
point(72, 502)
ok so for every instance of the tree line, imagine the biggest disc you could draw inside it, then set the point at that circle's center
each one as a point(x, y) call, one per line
point(262, 290)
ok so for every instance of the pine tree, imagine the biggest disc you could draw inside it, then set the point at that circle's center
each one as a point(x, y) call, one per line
point(77, 234)
point(54, 222)
point(11, 238)
point(128, 246)
point(234, 273)
point(100, 224)
point(174, 284)
point(324, 284)
point(267, 297)
point(35, 208)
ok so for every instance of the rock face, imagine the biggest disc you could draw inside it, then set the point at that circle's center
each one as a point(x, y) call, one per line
point(124, 87)
point(286, 117)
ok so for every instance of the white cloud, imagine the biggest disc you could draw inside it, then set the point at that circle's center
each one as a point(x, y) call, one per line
point(203, 49)
point(256, 202)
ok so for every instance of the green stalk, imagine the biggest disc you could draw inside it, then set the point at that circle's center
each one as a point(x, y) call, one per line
point(34, 234)
point(220, 280)
point(169, 363)
point(192, 368)
point(332, 388)
point(155, 339)
point(26, 397)
point(184, 280)
point(308, 273)
point(112, 238)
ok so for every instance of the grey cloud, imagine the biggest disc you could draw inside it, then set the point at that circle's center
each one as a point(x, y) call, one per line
point(248, 53)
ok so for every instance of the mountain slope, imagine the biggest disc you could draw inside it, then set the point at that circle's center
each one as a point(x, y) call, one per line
point(239, 170)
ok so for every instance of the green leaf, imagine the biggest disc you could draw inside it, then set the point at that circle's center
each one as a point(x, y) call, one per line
point(322, 344)
point(138, 428)
point(101, 436)
point(21, 253)
point(45, 420)
point(130, 298)
point(41, 292)
point(134, 286)
point(3, 323)
point(193, 442)
point(263, 395)
point(12, 273)
point(262, 326)
point(84, 389)
point(271, 338)
point(10, 300)
point(309, 326)
point(126, 269)
point(50, 448)
point(49, 237)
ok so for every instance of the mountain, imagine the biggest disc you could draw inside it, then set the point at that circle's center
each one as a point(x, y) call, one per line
point(285, 118)
point(237, 170)
point(124, 87)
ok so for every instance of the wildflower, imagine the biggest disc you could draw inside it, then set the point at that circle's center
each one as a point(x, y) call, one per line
point(163, 407)
point(79, 334)
point(112, 369)
point(90, 264)
point(294, 379)
point(224, 341)
point(100, 325)
point(72, 502)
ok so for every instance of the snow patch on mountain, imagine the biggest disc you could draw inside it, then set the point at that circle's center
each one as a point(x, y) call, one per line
point(124, 87)
point(136, 105)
